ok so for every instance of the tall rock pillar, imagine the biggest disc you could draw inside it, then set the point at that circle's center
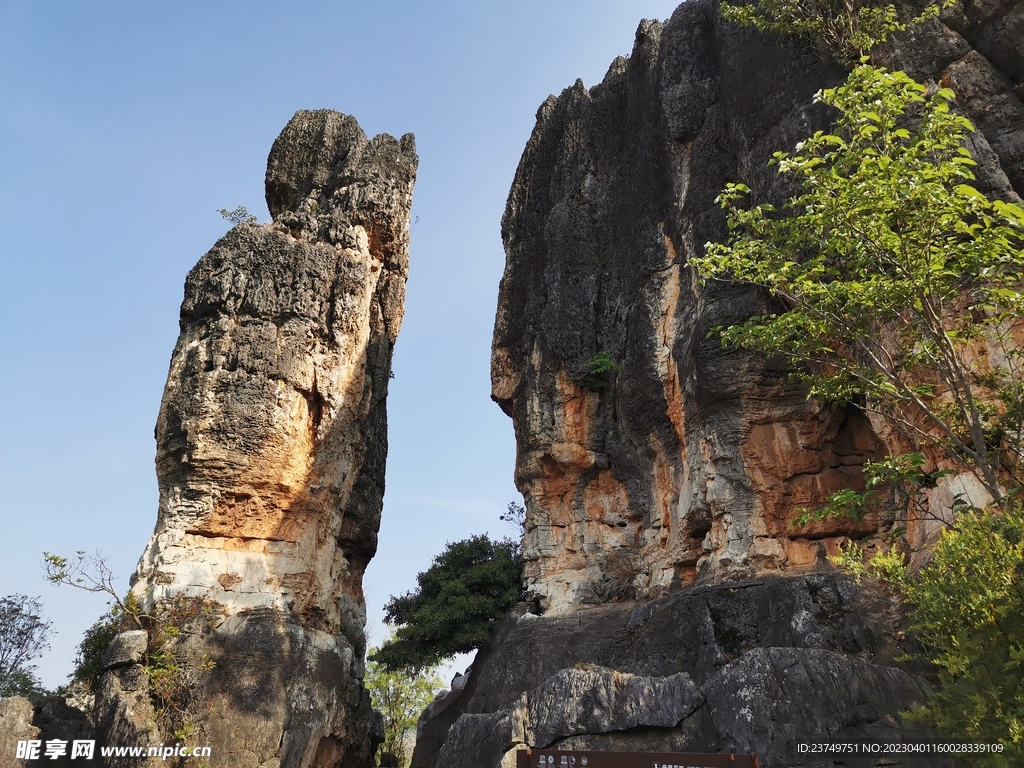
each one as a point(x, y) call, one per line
point(650, 457)
point(271, 447)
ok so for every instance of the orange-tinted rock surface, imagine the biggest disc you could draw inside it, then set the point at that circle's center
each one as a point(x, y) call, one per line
point(689, 463)
point(271, 447)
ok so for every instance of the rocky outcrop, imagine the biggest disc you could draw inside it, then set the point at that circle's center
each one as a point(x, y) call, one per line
point(663, 474)
point(650, 457)
point(123, 711)
point(42, 720)
point(15, 725)
point(271, 446)
point(752, 667)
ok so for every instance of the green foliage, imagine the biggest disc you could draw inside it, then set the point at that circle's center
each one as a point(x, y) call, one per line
point(968, 616)
point(457, 605)
point(238, 216)
point(895, 483)
point(848, 29)
point(600, 370)
point(93, 647)
point(175, 682)
point(899, 289)
point(401, 696)
point(24, 635)
point(895, 277)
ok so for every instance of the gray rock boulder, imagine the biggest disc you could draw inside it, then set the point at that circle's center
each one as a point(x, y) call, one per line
point(770, 699)
point(15, 725)
point(749, 667)
point(126, 648)
point(569, 703)
point(576, 701)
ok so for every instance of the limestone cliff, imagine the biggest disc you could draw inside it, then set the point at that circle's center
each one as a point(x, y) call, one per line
point(679, 608)
point(689, 462)
point(271, 447)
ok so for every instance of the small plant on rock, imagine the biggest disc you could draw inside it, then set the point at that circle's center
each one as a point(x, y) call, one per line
point(238, 216)
point(848, 29)
point(175, 680)
point(600, 370)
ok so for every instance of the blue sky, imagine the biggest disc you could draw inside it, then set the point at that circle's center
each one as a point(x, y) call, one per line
point(125, 126)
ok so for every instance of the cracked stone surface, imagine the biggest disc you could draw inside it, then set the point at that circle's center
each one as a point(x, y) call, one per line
point(271, 448)
point(752, 667)
point(690, 463)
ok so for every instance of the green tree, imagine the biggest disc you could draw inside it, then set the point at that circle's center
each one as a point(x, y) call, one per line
point(456, 606)
point(968, 617)
point(401, 696)
point(899, 289)
point(24, 635)
point(899, 282)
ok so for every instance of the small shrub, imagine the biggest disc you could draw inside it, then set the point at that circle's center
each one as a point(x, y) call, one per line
point(600, 370)
point(238, 216)
point(92, 649)
point(847, 30)
point(968, 618)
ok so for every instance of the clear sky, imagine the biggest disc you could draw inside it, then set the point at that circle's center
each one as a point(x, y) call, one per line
point(124, 126)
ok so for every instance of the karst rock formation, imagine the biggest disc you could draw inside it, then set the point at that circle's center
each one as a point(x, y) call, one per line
point(678, 606)
point(271, 448)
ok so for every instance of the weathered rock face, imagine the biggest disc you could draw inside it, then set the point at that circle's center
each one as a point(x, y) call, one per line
point(271, 446)
point(742, 667)
point(689, 463)
point(15, 725)
point(662, 473)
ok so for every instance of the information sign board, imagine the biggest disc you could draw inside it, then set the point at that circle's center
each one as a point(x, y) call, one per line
point(557, 758)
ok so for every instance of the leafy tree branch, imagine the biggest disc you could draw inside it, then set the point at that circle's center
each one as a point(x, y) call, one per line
point(899, 283)
point(92, 574)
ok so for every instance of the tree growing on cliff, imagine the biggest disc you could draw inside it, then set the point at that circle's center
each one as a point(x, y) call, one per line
point(91, 573)
point(238, 215)
point(898, 282)
point(457, 605)
point(899, 289)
